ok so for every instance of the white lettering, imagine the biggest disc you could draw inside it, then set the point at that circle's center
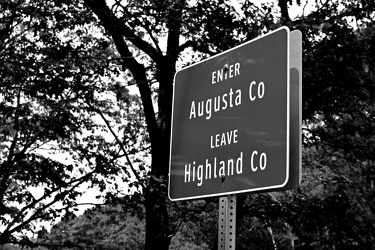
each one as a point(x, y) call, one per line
point(262, 161)
point(230, 98)
point(227, 73)
point(238, 97)
point(252, 161)
point(261, 91)
point(200, 108)
point(252, 98)
point(220, 74)
point(230, 166)
point(231, 71)
point(215, 176)
point(224, 102)
point(239, 164)
point(208, 108)
point(192, 110)
point(222, 169)
point(208, 170)
point(224, 139)
point(237, 69)
point(204, 108)
point(187, 173)
point(214, 77)
point(200, 175)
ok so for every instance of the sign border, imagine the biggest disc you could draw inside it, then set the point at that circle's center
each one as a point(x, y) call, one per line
point(255, 190)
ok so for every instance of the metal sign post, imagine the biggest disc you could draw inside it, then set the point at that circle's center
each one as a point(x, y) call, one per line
point(227, 222)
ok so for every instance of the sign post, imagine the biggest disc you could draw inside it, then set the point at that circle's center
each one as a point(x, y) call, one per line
point(236, 124)
point(227, 222)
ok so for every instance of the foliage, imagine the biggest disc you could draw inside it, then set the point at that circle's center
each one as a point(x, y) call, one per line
point(117, 227)
point(61, 106)
point(100, 228)
point(66, 70)
point(197, 224)
point(333, 207)
point(338, 113)
point(330, 210)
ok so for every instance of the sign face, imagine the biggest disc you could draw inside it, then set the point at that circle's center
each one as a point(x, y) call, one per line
point(231, 121)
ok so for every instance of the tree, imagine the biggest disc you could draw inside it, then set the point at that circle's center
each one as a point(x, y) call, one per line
point(220, 28)
point(107, 227)
point(135, 28)
point(338, 88)
point(118, 227)
point(127, 45)
point(59, 103)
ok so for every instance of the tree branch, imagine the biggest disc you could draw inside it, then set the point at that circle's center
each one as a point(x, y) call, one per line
point(115, 25)
point(9, 228)
point(283, 4)
point(118, 30)
point(99, 112)
point(174, 26)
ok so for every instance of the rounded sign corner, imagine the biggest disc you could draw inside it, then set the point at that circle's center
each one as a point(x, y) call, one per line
point(286, 179)
point(175, 75)
point(286, 28)
point(170, 197)
point(297, 33)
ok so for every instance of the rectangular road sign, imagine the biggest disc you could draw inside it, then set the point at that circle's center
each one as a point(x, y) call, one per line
point(231, 122)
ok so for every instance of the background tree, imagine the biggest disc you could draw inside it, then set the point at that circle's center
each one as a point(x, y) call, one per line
point(333, 204)
point(329, 30)
point(141, 23)
point(63, 114)
point(70, 82)
point(107, 227)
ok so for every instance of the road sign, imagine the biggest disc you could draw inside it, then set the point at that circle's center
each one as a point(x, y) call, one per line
point(231, 121)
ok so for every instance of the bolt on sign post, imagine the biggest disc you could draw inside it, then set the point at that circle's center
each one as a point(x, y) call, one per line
point(236, 121)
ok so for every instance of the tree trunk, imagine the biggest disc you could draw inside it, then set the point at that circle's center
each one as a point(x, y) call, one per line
point(283, 4)
point(157, 222)
point(158, 235)
point(158, 124)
